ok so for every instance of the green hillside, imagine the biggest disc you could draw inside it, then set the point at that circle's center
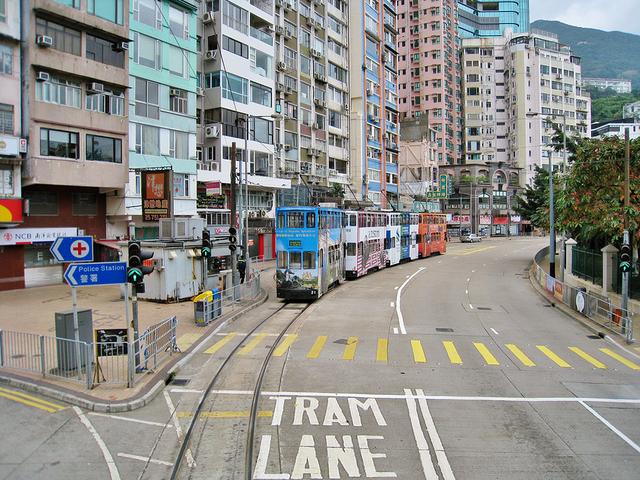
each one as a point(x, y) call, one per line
point(604, 54)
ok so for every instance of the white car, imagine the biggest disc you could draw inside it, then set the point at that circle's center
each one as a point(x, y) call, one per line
point(471, 238)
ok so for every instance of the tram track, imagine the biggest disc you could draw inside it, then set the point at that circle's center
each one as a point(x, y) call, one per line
point(253, 412)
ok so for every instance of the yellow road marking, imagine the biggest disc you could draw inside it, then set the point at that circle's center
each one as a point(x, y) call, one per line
point(454, 357)
point(581, 353)
point(350, 348)
point(554, 358)
point(253, 343)
point(418, 352)
point(220, 343)
point(476, 250)
point(526, 361)
point(486, 354)
point(317, 347)
point(32, 399)
point(284, 345)
point(621, 359)
point(382, 352)
point(227, 414)
point(188, 339)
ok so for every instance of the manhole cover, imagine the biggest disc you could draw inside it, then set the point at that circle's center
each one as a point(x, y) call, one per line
point(181, 382)
point(444, 330)
point(341, 341)
point(484, 308)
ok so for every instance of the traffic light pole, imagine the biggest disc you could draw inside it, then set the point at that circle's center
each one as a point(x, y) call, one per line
point(134, 323)
point(625, 275)
point(232, 200)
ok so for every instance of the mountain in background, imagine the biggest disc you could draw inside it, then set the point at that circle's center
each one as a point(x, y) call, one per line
point(604, 54)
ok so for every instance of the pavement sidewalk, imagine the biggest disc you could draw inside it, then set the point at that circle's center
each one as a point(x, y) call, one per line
point(33, 311)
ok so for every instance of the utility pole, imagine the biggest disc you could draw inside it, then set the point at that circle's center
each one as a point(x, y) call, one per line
point(552, 221)
point(563, 259)
point(626, 240)
point(232, 201)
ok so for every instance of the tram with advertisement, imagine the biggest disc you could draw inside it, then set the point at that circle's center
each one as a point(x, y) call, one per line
point(392, 238)
point(432, 234)
point(309, 251)
point(409, 236)
point(365, 243)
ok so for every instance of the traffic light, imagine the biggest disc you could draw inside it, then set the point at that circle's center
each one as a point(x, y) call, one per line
point(136, 270)
point(233, 240)
point(625, 258)
point(205, 250)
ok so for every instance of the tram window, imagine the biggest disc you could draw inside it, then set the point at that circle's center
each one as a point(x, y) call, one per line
point(282, 259)
point(321, 258)
point(345, 220)
point(295, 260)
point(295, 220)
point(309, 260)
point(311, 220)
point(281, 220)
point(360, 246)
point(418, 238)
point(351, 249)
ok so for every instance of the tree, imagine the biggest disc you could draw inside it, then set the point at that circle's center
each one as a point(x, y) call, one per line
point(591, 207)
point(533, 202)
point(337, 190)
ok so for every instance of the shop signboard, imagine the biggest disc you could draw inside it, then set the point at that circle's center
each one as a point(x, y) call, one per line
point(156, 195)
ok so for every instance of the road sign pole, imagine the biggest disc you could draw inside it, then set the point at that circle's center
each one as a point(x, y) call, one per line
point(76, 329)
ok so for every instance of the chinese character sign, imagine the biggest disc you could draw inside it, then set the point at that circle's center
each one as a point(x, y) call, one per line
point(156, 195)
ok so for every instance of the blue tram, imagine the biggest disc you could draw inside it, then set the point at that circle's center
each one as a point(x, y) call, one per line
point(309, 250)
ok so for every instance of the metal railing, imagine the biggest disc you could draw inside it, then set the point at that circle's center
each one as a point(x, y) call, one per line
point(587, 264)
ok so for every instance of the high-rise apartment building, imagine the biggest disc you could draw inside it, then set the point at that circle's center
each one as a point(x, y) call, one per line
point(490, 18)
point(73, 98)
point(429, 70)
point(373, 68)
point(616, 84)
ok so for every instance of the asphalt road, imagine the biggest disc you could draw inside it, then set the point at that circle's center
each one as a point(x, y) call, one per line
point(450, 367)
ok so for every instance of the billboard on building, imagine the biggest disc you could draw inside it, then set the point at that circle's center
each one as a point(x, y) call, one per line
point(156, 194)
point(10, 210)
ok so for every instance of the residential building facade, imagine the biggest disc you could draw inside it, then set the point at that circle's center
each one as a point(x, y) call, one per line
point(491, 18)
point(429, 71)
point(631, 110)
point(616, 84)
point(616, 128)
point(373, 67)
point(418, 160)
point(74, 121)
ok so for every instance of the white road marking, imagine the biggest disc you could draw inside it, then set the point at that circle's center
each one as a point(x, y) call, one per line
point(439, 261)
point(626, 439)
point(395, 330)
point(185, 390)
point(126, 419)
point(471, 306)
point(421, 442)
point(407, 276)
point(468, 279)
point(467, 292)
point(111, 464)
point(403, 330)
point(392, 304)
point(145, 459)
point(473, 271)
point(176, 423)
point(441, 456)
point(494, 331)
point(395, 288)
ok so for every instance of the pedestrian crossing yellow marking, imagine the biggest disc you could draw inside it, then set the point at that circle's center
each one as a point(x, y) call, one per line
point(554, 358)
point(418, 352)
point(30, 401)
point(381, 353)
point(220, 343)
point(526, 361)
point(454, 357)
point(593, 361)
point(486, 354)
point(469, 251)
point(317, 347)
point(188, 339)
point(253, 343)
point(350, 348)
point(284, 345)
point(621, 359)
point(227, 414)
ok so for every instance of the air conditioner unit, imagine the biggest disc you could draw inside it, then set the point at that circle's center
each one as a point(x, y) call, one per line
point(558, 77)
point(44, 41)
point(287, 147)
point(280, 3)
point(288, 33)
point(211, 54)
point(333, 171)
point(174, 91)
point(212, 131)
point(280, 30)
point(200, 91)
point(316, 152)
point(317, 24)
point(262, 213)
point(370, 92)
point(208, 17)
point(180, 228)
point(253, 214)
point(282, 66)
point(320, 77)
point(121, 46)
point(316, 126)
point(346, 107)
point(288, 90)
point(96, 87)
point(42, 77)
point(315, 53)
point(280, 87)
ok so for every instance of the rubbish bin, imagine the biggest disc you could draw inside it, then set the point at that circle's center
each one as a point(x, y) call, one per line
point(202, 308)
point(216, 304)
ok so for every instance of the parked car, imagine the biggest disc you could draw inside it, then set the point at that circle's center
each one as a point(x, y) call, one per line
point(471, 238)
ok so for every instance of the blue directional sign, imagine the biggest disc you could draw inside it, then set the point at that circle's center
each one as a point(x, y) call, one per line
point(73, 249)
point(93, 274)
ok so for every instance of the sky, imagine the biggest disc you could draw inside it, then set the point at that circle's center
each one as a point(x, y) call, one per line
point(619, 15)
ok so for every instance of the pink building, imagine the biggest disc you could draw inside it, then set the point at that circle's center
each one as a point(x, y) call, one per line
point(429, 71)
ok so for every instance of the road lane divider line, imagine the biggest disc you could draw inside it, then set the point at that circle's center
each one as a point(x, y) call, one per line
point(421, 441)
point(31, 400)
point(111, 464)
point(452, 352)
point(621, 359)
point(520, 355)
point(285, 344)
point(350, 348)
point(471, 251)
point(253, 343)
point(382, 351)
point(176, 423)
point(486, 354)
point(418, 352)
point(585, 356)
point(432, 431)
point(403, 330)
point(317, 347)
point(144, 459)
point(220, 343)
point(127, 419)
point(626, 439)
point(553, 357)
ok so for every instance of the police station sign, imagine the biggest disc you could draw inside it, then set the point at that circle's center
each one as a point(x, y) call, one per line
point(27, 236)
